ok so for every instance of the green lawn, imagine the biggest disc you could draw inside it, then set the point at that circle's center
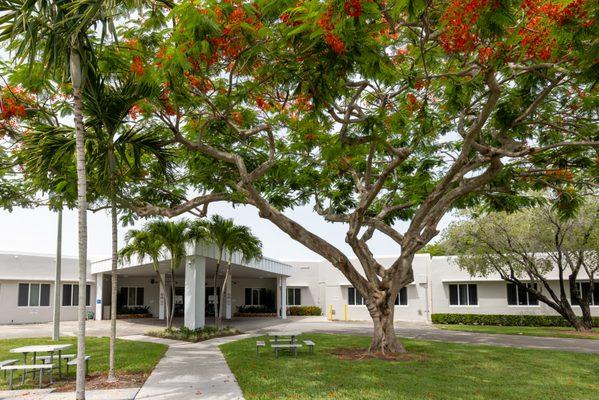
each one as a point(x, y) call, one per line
point(131, 357)
point(439, 371)
point(547, 331)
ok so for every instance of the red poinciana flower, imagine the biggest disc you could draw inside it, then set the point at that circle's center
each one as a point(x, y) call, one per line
point(336, 44)
point(353, 8)
point(137, 66)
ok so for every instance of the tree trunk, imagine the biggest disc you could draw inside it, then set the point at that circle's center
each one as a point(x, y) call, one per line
point(57, 277)
point(383, 339)
point(113, 292)
point(222, 291)
point(172, 299)
point(166, 299)
point(76, 78)
point(580, 324)
point(215, 291)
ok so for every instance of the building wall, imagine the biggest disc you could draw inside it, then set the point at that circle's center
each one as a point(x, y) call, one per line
point(151, 290)
point(238, 286)
point(13, 314)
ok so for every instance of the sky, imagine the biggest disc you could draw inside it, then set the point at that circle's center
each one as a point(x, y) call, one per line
point(34, 231)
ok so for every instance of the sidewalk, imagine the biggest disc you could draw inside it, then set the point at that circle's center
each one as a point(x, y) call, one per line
point(46, 394)
point(190, 371)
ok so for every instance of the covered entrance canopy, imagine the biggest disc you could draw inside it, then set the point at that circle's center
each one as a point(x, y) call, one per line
point(256, 285)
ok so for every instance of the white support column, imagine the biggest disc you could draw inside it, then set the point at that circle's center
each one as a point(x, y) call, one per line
point(99, 291)
point(195, 292)
point(228, 298)
point(162, 299)
point(278, 296)
point(283, 297)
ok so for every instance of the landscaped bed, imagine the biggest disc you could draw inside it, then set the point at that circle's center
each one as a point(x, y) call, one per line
point(194, 335)
point(431, 370)
point(134, 362)
point(546, 331)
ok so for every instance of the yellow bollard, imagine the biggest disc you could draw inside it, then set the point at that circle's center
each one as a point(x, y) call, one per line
point(345, 312)
point(330, 312)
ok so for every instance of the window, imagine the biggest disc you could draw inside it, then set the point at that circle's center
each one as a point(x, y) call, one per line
point(354, 298)
point(519, 296)
point(70, 295)
point(402, 297)
point(463, 294)
point(33, 295)
point(255, 296)
point(583, 289)
point(132, 296)
point(294, 296)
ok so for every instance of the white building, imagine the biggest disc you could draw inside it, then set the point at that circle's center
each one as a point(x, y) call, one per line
point(26, 289)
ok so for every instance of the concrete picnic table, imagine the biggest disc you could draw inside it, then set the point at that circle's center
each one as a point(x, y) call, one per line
point(283, 334)
point(42, 348)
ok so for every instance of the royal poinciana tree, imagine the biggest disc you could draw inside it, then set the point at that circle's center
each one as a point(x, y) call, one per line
point(372, 112)
point(545, 256)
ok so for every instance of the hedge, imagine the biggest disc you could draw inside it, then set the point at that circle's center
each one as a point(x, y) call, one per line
point(304, 310)
point(503, 320)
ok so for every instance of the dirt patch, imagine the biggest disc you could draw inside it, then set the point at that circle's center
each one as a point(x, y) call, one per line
point(361, 354)
point(98, 381)
point(573, 332)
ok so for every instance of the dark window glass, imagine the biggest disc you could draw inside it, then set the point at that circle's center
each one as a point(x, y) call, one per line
point(572, 297)
point(23, 295)
point(34, 295)
point(532, 300)
point(45, 295)
point(248, 296)
point(472, 295)
point(463, 295)
point(351, 296)
point(262, 297)
point(88, 295)
point(403, 296)
point(66, 295)
point(586, 288)
point(75, 295)
point(596, 294)
point(298, 297)
point(124, 295)
point(359, 299)
point(522, 296)
point(140, 296)
point(132, 297)
point(290, 297)
point(453, 295)
point(255, 297)
point(512, 297)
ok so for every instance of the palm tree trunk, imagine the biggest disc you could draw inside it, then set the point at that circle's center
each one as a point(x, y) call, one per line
point(222, 292)
point(215, 291)
point(166, 297)
point(113, 292)
point(76, 78)
point(172, 299)
point(56, 308)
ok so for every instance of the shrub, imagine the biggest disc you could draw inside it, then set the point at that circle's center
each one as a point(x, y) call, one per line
point(194, 335)
point(255, 310)
point(304, 310)
point(134, 310)
point(503, 320)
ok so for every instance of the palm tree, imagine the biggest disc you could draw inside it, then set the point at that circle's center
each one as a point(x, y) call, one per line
point(228, 238)
point(242, 241)
point(115, 152)
point(56, 33)
point(144, 244)
point(174, 236)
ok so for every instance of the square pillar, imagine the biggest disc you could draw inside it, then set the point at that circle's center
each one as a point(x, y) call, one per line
point(162, 298)
point(228, 297)
point(99, 286)
point(283, 298)
point(195, 292)
point(278, 296)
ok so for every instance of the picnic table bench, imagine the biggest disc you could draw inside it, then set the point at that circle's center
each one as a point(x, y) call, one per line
point(5, 363)
point(288, 346)
point(39, 367)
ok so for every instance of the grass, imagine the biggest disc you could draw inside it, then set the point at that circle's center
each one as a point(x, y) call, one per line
point(132, 358)
point(545, 331)
point(437, 371)
point(194, 335)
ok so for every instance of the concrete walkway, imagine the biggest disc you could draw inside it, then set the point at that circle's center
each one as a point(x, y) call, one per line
point(46, 394)
point(190, 371)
